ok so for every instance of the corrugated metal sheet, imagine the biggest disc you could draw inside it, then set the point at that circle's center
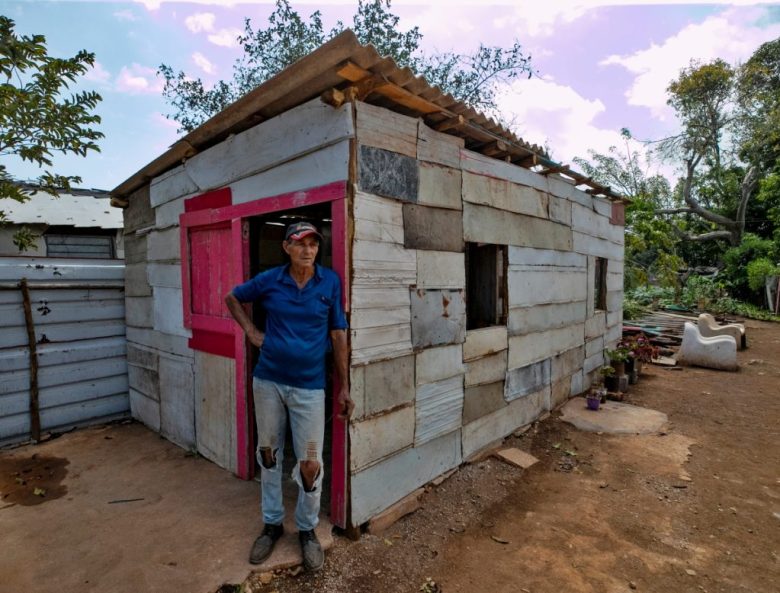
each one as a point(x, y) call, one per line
point(78, 315)
point(76, 210)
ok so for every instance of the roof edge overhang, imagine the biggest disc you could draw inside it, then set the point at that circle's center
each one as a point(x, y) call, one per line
point(343, 63)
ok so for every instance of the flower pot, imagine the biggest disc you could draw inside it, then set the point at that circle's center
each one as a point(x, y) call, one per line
point(633, 377)
point(630, 365)
point(593, 402)
point(611, 383)
point(619, 366)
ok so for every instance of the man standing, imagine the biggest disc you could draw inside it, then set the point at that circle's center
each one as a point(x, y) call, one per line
point(302, 301)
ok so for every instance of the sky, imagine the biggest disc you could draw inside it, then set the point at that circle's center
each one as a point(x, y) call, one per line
point(601, 65)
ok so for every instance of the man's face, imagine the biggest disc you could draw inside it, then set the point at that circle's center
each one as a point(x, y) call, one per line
point(303, 252)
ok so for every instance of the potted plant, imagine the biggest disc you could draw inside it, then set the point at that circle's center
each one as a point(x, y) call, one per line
point(593, 399)
point(610, 379)
point(644, 351)
point(617, 359)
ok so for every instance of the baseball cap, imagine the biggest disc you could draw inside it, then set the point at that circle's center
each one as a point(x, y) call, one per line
point(299, 230)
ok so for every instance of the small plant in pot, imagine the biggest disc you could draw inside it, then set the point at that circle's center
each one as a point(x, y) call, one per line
point(644, 351)
point(610, 378)
point(617, 359)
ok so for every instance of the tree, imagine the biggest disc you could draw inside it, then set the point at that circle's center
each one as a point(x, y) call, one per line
point(266, 51)
point(36, 120)
point(722, 147)
point(650, 245)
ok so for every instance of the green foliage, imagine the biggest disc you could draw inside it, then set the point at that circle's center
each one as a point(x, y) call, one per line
point(702, 292)
point(471, 78)
point(728, 305)
point(757, 272)
point(651, 295)
point(737, 259)
point(37, 120)
point(632, 309)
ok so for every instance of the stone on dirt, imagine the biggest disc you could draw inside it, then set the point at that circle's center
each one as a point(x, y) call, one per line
point(517, 457)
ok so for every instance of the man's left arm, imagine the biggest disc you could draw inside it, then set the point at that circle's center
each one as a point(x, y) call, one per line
point(341, 359)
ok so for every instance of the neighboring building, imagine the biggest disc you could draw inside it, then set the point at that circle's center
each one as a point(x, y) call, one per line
point(62, 310)
point(480, 292)
point(79, 224)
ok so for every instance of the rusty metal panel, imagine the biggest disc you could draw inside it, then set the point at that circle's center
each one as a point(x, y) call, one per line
point(438, 317)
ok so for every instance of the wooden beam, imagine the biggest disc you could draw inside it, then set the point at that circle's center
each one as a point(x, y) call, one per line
point(35, 416)
point(119, 202)
point(495, 148)
point(333, 97)
point(450, 123)
point(555, 169)
point(529, 161)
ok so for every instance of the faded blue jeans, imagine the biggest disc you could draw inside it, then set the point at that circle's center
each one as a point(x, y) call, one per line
point(306, 408)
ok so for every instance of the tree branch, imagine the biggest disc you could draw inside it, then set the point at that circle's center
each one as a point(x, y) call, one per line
point(694, 205)
point(674, 211)
point(749, 183)
point(703, 236)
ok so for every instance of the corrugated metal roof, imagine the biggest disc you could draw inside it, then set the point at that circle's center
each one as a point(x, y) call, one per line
point(82, 208)
point(338, 64)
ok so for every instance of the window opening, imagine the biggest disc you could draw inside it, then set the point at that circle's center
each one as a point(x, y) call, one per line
point(486, 287)
point(600, 284)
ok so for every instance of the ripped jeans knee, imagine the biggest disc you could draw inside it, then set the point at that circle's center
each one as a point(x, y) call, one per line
point(267, 457)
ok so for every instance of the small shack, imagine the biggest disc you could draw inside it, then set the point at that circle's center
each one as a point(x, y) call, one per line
point(482, 280)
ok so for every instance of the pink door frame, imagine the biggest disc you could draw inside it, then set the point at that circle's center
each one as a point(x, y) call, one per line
point(222, 336)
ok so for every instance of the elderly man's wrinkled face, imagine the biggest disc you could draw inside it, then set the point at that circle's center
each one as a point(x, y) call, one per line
point(303, 252)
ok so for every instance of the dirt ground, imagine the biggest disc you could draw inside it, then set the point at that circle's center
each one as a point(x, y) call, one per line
point(693, 508)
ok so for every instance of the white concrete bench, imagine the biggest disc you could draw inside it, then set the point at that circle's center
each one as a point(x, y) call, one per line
point(708, 328)
point(717, 352)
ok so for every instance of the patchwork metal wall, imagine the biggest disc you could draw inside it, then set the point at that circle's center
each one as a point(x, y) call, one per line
point(77, 320)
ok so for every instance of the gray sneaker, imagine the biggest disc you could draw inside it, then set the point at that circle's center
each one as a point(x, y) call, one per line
point(313, 556)
point(264, 544)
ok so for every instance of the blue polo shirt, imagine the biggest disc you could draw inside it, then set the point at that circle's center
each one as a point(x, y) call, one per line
point(297, 324)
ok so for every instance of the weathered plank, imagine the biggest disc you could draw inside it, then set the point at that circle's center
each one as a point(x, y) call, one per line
point(177, 400)
point(168, 311)
point(382, 128)
point(438, 317)
point(139, 213)
point(52, 377)
point(139, 311)
point(596, 325)
point(380, 436)
point(566, 363)
point(582, 243)
point(440, 187)
point(482, 224)
point(314, 169)
point(440, 269)
point(167, 214)
point(143, 357)
point(164, 245)
point(380, 316)
point(145, 410)
point(487, 369)
point(541, 317)
point(167, 275)
point(436, 364)
point(377, 487)
point(494, 426)
point(171, 185)
point(481, 164)
point(383, 385)
point(560, 210)
point(438, 409)
point(378, 219)
point(135, 248)
point(436, 147)
point(215, 408)
point(380, 343)
point(373, 297)
point(504, 195)
point(159, 341)
point(594, 345)
point(387, 174)
point(144, 380)
point(379, 263)
point(281, 139)
point(538, 285)
point(481, 400)
point(436, 229)
point(577, 384)
point(528, 256)
point(523, 381)
point(560, 392)
point(588, 221)
point(484, 341)
point(526, 349)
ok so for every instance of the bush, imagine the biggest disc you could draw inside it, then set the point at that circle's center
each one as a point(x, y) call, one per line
point(757, 272)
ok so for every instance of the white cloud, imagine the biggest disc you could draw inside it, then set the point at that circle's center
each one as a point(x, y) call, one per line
point(543, 111)
point(126, 15)
point(201, 21)
point(97, 73)
point(203, 63)
point(138, 80)
point(225, 37)
point(731, 35)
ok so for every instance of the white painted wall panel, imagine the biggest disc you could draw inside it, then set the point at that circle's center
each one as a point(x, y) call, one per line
point(524, 350)
point(484, 341)
point(441, 269)
point(382, 128)
point(437, 147)
point(435, 364)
